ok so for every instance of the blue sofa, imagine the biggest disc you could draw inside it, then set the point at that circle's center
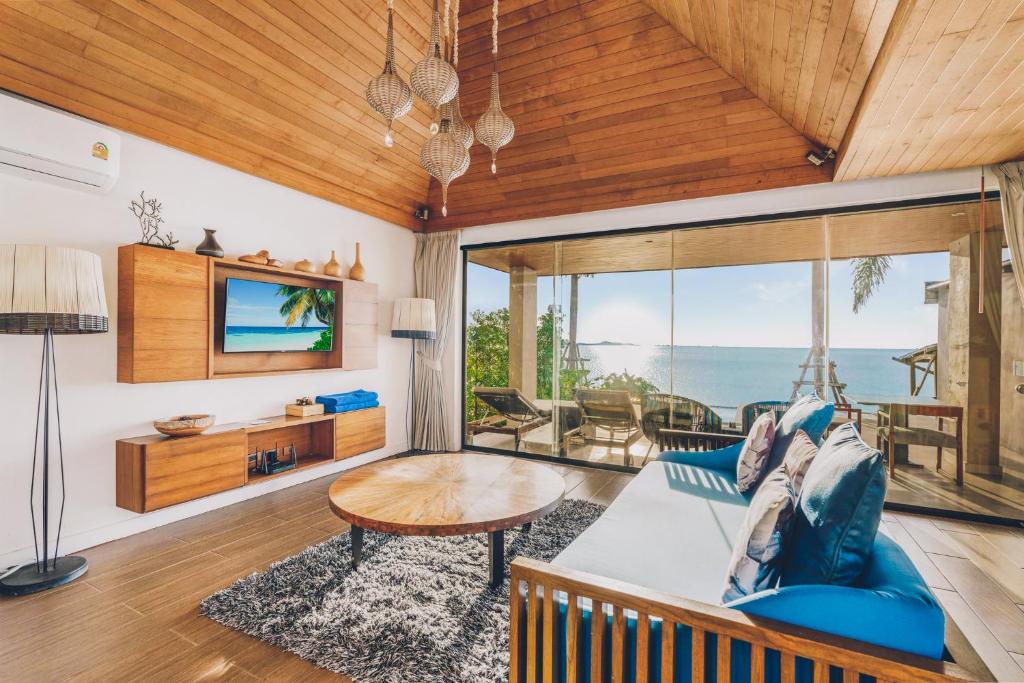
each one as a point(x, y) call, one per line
point(670, 532)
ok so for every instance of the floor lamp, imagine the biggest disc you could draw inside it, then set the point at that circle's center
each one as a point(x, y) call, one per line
point(48, 291)
point(414, 319)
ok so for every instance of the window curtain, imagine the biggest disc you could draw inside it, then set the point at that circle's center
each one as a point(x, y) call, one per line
point(1011, 198)
point(436, 269)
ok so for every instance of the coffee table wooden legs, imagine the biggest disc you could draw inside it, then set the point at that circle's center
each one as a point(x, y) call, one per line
point(496, 557)
point(495, 553)
point(357, 545)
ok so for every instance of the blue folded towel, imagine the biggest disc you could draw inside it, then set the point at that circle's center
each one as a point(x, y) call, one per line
point(347, 407)
point(347, 398)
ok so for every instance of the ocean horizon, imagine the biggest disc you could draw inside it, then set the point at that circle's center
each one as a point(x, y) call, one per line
point(243, 338)
point(725, 377)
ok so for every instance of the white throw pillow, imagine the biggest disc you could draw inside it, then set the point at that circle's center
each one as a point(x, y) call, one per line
point(757, 554)
point(753, 462)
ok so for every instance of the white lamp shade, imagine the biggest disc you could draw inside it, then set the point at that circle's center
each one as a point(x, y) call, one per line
point(51, 288)
point(414, 319)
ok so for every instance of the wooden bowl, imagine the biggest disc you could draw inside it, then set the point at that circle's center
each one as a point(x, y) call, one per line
point(184, 425)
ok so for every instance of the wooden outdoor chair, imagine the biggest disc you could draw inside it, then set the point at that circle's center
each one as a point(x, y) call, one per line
point(664, 411)
point(610, 411)
point(888, 435)
point(514, 414)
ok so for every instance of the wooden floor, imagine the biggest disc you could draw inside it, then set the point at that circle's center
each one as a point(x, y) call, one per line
point(135, 614)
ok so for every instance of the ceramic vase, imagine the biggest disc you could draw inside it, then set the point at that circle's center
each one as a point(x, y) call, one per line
point(209, 246)
point(332, 267)
point(357, 272)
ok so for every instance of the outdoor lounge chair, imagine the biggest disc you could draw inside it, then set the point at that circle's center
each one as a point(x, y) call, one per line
point(665, 411)
point(610, 411)
point(515, 414)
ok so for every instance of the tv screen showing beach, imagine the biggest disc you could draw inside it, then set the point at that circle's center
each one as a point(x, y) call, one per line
point(267, 316)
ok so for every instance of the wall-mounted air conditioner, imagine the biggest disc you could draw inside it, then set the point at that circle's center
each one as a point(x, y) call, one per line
point(45, 144)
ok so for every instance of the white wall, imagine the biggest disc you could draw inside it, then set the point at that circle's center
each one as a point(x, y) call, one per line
point(249, 214)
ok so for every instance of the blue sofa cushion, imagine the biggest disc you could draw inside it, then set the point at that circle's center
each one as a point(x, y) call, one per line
point(890, 605)
point(838, 514)
point(810, 414)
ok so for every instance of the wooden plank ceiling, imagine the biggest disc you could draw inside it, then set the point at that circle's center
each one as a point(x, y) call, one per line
point(807, 59)
point(616, 102)
point(947, 91)
point(271, 87)
point(612, 108)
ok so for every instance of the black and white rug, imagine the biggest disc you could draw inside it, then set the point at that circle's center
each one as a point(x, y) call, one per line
point(416, 609)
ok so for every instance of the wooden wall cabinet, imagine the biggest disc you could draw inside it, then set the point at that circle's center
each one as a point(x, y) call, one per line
point(170, 323)
point(155, 471)
point(358, 432)
point(163, 315)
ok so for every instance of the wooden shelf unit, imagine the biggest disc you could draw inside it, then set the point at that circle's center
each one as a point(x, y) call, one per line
point(155, 471)
point(171, 319)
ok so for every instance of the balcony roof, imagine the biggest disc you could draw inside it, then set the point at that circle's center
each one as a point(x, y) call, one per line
point(874, 233)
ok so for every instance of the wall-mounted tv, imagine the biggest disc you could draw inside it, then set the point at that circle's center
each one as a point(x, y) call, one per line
point(269, 316)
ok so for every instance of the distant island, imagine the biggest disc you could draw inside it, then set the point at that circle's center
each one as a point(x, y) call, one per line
point(606, 343)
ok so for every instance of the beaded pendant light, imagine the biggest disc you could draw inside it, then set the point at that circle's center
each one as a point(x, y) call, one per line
point(451, 111)
point(445, 158)
point(434, 79)
point(494, 128)
point(388, 94)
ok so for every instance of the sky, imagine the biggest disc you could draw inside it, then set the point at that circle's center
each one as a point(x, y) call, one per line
point(763, 305)
point(254, 304)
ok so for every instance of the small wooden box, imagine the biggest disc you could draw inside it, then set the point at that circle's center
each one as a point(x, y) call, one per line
point(304, 411)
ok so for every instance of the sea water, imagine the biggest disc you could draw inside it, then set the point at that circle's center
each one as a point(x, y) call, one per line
point(242, 338)
point(724, 377)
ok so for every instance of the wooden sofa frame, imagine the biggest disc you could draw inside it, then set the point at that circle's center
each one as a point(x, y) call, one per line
point(543, 580)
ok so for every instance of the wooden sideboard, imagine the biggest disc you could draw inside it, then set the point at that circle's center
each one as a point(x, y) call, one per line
point(170, 319)
point(155, 471)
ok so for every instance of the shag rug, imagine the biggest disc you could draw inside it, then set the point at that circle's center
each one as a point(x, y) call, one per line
point(416, 608)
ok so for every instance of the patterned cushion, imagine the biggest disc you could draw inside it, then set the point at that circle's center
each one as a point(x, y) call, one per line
point(840, 508)
point(757, 551)
point(753, 462)
point(810, 414)
point(798, 458)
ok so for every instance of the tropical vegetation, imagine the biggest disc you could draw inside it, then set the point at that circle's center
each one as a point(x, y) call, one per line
point(301, 304)
point(487, 361)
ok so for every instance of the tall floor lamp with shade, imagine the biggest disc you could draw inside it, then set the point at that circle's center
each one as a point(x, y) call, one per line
point(414, 319)
point(48, 291)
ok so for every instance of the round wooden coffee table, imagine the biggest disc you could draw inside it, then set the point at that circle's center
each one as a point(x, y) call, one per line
point(451, 494)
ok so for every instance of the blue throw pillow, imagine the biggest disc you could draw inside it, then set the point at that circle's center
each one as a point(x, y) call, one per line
point(838, 513)
point(811, 415)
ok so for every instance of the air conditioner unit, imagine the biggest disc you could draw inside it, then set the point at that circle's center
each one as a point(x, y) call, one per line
point(45, 144)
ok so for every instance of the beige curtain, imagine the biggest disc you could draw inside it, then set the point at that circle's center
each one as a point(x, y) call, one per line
point(437, 271)
point(1011, 191)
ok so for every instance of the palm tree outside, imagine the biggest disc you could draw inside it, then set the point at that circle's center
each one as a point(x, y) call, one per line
point(303, 303)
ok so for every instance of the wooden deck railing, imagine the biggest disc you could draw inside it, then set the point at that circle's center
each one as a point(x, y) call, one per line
point(683, 440)
point(546, 583)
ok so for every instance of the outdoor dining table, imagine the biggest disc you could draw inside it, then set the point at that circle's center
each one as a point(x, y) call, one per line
point(899, 409)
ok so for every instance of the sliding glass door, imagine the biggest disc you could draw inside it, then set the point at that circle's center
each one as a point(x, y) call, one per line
point(607, 349)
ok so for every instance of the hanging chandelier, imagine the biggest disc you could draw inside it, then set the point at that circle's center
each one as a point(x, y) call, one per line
point(494, 128)
point(434, 79)
point(452, 110)
point(445, 158)
point(388, 94)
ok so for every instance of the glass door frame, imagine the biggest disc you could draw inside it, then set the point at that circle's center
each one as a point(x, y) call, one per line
point(696, 225)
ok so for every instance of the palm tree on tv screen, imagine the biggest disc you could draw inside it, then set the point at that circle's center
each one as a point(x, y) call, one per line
point(303, 303)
